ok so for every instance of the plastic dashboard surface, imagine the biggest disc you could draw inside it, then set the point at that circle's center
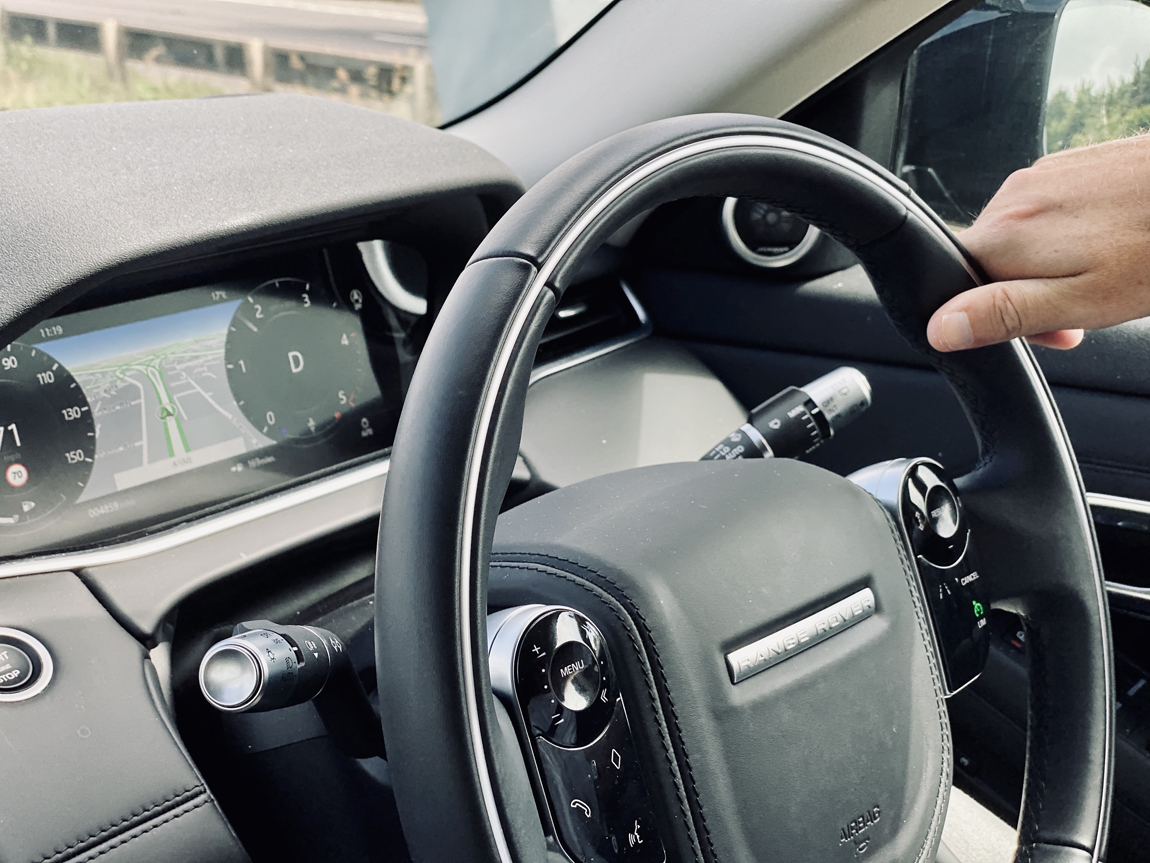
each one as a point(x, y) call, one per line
point(171, 398)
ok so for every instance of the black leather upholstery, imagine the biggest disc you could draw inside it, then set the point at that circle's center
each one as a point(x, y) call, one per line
point(1026, 496)
point(91, 768)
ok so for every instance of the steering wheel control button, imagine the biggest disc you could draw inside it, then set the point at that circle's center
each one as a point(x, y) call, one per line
point(551, 667)
point(575, 675)
point(932, 515)
point(924, 500)
point(598, 798)
point(563, 678)
point(25, 666)
point(942, 511)
point(15, 668)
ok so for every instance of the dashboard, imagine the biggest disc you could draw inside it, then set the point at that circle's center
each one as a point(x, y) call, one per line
point(166, 398)
point(199, 391)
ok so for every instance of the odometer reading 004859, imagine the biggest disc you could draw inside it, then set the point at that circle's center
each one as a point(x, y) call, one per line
point(47, 436)
point(295, 360)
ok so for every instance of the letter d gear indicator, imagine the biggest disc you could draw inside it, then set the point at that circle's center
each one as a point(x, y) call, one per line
point(295, 359)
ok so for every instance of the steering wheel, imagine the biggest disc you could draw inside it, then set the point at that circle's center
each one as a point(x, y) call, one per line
point(678, 564)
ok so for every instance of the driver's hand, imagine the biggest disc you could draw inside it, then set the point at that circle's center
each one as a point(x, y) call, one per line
point(1067, 243)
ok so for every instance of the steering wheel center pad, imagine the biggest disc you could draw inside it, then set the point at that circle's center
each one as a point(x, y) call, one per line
point(680, 564)
point(1025, 499)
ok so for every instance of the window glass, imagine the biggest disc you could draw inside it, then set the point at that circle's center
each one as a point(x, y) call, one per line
point(426, 61)
point(1012, 80)
point(482, 47)
point(1100, 74)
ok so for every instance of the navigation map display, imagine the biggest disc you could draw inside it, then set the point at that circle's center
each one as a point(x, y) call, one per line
point(159, 396)
point(126, 415)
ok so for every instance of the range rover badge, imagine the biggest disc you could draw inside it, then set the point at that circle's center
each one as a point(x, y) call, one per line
point(794, 639)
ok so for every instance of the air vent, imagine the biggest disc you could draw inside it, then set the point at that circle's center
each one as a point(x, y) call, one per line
point(594, 317)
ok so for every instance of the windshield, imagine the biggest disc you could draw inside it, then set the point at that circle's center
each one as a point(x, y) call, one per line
point(431, 62)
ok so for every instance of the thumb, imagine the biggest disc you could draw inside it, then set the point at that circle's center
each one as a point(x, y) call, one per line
point(998, 312)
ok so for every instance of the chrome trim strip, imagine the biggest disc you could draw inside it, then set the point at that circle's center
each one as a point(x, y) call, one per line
point(177, 536)
point(770, 262)
point(757, 439)
point(1110, 501)
point(1122, 504)
point(1128, 591)
point(1140, 595)
point(602, 349)
point(792, 640)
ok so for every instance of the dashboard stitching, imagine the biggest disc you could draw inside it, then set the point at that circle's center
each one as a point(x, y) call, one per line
point(940, 699)
point(172, 816)
point(175, 799)
point(638, 615)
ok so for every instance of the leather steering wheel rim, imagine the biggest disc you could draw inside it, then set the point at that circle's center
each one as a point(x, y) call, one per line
point(457, 442)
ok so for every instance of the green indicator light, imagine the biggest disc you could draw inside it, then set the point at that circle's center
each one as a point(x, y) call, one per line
point(978, 609)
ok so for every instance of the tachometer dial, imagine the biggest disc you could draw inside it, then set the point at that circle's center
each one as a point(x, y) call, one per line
point(47, 436)
point(296, 361)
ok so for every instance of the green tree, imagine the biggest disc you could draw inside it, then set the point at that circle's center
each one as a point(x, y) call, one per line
point(1090, 116)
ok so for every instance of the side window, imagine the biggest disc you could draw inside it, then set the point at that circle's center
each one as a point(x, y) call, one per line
point(1012, 80)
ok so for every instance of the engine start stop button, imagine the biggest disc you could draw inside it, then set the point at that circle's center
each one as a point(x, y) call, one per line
point(15, 668)
point(25, 666)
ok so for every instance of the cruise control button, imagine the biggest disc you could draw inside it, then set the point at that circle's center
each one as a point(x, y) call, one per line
point(575, 675)
point(15, 668)
point(942, 511)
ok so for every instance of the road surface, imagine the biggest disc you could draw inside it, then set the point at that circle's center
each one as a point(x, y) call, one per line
point(162, 411)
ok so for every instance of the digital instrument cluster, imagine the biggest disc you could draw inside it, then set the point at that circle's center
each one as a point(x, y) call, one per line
point(123, 416)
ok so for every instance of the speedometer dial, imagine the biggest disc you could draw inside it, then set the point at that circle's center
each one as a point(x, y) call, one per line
point(47, 436)
point(295, 361)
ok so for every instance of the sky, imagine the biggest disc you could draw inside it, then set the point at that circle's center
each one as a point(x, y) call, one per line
point(87, 348)
point(1099, 41)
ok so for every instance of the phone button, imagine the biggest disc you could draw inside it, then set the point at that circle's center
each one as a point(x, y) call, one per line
point(599, 801)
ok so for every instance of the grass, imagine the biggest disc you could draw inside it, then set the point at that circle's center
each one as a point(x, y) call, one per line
point(33, 77)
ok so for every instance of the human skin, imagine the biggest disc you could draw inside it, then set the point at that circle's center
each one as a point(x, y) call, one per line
point(1066, 244)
